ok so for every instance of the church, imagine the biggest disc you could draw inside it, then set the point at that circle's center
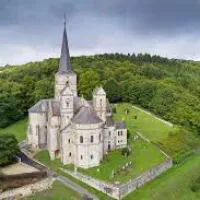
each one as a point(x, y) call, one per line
point(71, 128)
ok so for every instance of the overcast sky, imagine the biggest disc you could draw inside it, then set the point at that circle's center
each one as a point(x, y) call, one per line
point(31, 30)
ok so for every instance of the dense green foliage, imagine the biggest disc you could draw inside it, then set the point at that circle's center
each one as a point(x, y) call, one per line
point(8, 148)
point(169, 88)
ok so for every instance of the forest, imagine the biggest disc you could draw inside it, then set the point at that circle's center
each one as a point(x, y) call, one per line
point(170, 88)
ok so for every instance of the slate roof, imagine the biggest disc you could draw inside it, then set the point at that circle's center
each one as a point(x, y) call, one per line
point(86, 115)
point(120, 125)
point(77, 104)
point(55, 107)
point(64, 64)
point(40, 107)
point(110, 122)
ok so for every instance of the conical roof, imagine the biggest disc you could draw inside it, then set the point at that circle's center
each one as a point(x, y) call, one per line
point(64, 65)
point(86, 115)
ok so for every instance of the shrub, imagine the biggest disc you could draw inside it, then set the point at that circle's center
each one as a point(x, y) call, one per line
point(125, 151)
point(128, 134)
point(8, 148)
point(114, 110)
point(195, 187)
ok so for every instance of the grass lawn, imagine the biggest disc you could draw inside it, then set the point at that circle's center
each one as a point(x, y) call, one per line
point(17, 129)
point(143, 157)
point(172, 185)
point(150, 127)
point(57, 192)
point(43, 157)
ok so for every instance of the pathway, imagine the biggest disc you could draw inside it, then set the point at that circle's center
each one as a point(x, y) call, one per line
point(77, 188)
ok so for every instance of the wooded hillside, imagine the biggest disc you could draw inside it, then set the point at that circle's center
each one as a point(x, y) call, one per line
point(169, 88)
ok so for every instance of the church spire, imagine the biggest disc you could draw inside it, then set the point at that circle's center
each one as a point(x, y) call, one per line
point(64, 65)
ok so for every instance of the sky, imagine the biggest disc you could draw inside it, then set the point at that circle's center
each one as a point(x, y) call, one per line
point(31, 30)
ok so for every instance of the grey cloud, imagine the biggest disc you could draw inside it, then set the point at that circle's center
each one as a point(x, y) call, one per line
point(98, 26)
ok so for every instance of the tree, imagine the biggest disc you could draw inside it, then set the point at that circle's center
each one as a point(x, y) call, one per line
point(88, 81)
point(8, 148)
point(112, 90)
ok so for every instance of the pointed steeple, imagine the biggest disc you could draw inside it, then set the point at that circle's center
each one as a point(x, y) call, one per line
point(64, 65)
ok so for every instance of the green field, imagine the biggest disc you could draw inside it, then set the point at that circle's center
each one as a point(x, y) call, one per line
point(143, 156)
point(43, 157)
point(150, 127)
point(172, 185)
point(18, 129)
point(57, 192)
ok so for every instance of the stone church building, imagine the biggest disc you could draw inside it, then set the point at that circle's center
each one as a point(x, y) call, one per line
point(77, 131)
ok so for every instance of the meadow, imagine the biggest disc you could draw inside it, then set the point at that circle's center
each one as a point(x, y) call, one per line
point(18, 129)
point(57, 192)
point(174, 184)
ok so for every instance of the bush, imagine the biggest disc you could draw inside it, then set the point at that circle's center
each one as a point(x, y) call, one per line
point(114, 110)
point(125, 151)
point(128, 134)
point(8, 148)
point(179, 145)
point(195, 187)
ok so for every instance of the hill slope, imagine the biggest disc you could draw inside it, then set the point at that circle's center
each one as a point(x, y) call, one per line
point(169, 88)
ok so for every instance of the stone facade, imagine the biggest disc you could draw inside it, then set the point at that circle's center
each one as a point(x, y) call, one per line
point(77, 131)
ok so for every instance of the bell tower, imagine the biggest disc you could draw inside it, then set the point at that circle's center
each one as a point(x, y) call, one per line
point(99, 102)
point(65, 76)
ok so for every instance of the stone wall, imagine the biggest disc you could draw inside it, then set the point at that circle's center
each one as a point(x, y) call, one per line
point(149, 175)
point(119, 191)
point(109, 189)
point(28, 189)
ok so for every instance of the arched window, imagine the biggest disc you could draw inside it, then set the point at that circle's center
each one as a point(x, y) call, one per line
point(70, 154)
point(92, 139)
point(69, 141)
point(91, 157)
point(100, 137)
point(81, 139)
point(81, 157)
